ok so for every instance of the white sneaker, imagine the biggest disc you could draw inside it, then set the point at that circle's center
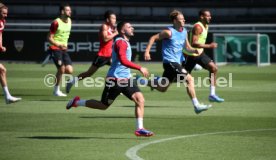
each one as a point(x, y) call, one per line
point(201, 107)
point(12, 99)
point(59, 94)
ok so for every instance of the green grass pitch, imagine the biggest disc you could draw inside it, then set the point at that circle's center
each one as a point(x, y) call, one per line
point(39, 127)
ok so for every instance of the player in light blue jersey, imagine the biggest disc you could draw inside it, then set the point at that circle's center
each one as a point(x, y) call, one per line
point(118, 80)
point(174, 38)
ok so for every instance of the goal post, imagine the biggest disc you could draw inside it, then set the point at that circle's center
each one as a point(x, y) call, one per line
point(242, 49)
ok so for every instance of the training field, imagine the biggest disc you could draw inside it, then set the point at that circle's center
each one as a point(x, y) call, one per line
point(40, 128)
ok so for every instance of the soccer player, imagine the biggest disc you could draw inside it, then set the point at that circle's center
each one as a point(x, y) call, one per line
point(118, 80)
point(107, 33)
point(173, 39)
point(58, 38)
point(198, 37)
point(3, 77)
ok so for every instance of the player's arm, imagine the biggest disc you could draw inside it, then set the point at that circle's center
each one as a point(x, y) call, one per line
point(2, 48)
point(188, 49)
point(197, 30)
point(157, 37)
point(121, 49)
point(104, 33)
point(51, 34)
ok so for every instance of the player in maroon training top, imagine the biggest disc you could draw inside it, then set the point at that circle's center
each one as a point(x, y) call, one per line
point(107, 33)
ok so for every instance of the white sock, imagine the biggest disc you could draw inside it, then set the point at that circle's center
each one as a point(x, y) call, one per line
point(81, 103)
point(56, 89)
point(212, 90)
point(139, 123)
point(195, 101)
point(6, 91)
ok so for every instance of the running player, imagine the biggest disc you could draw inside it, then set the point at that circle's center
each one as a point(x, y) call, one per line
point(106, 35)
point(58, 38)
point(118, 80)
point(3, 77)
point(173, 39)
point(198, 37)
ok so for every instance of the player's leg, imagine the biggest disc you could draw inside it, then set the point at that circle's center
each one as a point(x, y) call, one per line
point(3, 79)
point(57, 91)
point(58, 61)
point(110, 93)
point(184, 77)
point(189, 63)
point(96, 64)
point(134, 94)
point(163, 83)
point(91, 70)
point(208, 64)
point(67, 63)
point(198, 107)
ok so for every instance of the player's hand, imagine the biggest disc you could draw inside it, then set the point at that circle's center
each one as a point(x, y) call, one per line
point(213, 45)
point(144, 71)
point(63, 47)
point(3, 49)
point(147, 56)
point(197, 51)
point(115, 32)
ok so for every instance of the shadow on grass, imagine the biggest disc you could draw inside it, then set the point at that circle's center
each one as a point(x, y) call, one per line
point(32, 95)
point(147, 106)
point(50, 100)
point(107, 117)
point(69, 138)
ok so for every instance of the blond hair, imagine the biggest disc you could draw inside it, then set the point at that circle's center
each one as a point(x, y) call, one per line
point(2, 6)
point(174, 14)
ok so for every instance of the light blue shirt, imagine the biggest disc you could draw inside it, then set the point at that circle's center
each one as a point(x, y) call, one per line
point(117, 70)
point(173, 46)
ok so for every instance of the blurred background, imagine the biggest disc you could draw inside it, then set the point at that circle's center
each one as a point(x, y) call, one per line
point(29, 20)
point(145, 11)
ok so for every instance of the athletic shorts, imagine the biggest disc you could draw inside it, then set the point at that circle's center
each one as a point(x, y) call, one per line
point(172, 70)
point(191, 61)
point(100, 61)
point(114, 87)
point(60, 58)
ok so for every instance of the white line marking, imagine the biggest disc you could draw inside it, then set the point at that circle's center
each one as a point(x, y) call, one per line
point(131, 153)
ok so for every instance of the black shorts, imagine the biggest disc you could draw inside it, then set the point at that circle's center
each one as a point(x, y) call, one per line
point(191, 61)
point(172, 70)
point(60, 58)
point(114, 87)
point(100, 61)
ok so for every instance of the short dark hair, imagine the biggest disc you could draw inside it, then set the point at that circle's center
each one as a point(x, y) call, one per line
point(62, 6)
point(108, 13)
point(202, 12)
point(120, 25)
